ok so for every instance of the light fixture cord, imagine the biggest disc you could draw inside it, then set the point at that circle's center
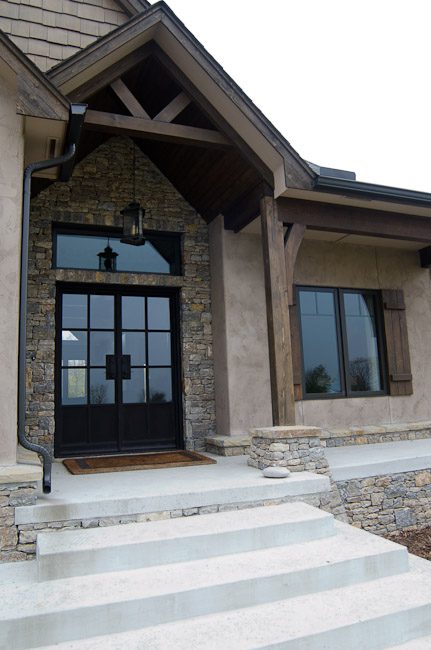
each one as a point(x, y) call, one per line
point(134, 171)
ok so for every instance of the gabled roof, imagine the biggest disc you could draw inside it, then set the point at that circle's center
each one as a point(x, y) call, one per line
point(228, 104)
point(133, 7)
point(37, 96)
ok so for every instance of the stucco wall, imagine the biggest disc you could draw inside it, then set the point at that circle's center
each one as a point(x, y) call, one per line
point(363, 267)
point(243, 398)
point(11, 171)
point(101, 186)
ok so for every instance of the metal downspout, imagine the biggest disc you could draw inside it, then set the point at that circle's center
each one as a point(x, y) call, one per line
point(75, 125)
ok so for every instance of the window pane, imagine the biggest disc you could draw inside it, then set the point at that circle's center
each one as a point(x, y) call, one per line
point(134, 344)
point(133, 312)
point(74, 386)
point(158, 255)
point(101, 344)
point(160, 385)
point(74, 311)
point(74, 348)
point(319, 342)
point(102, 390)
point(134, 388)
point(102, 312)
point(362, 343)
point(158, 314)
point(159, 349)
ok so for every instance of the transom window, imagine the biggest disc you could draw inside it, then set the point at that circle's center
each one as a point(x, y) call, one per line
point(103, 251)
point(342, 343)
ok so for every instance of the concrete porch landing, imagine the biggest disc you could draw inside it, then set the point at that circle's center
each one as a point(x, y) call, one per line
point(121, 494)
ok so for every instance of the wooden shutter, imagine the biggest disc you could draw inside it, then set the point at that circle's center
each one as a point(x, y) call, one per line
point(397, 342)
point(295, 335)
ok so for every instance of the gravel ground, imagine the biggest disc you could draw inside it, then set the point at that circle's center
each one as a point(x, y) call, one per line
point(417, 541)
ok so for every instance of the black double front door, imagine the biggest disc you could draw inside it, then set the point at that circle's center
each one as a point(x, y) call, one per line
point(117, 371)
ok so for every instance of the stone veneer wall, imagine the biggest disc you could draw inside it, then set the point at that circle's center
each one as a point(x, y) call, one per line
point(101, 186)
point(13, 546)
point(379, 504)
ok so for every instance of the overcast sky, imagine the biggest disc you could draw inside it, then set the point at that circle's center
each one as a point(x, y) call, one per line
point(347, 83)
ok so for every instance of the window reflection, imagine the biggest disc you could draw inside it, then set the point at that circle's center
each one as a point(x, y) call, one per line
point(362, 342)
point(320, 344)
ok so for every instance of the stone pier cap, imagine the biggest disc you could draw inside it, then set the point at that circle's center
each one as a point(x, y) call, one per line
point(280, 432)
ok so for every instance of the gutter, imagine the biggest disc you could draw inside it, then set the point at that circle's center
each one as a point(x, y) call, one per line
point(76, 121)
point(372, 191)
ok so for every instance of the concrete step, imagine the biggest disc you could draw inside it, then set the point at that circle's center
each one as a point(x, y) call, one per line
point(117, 548)
point(371, 616)
point(424, 643)
point(45, 613)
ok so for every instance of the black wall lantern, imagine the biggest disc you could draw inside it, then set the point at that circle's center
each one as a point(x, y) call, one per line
point(133, 225)
point(107, 259)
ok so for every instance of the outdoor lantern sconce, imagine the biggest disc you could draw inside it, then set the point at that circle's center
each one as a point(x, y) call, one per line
point(107, 259)
point(133, 228)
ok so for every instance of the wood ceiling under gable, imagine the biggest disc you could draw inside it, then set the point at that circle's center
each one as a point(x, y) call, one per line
point(212, 174)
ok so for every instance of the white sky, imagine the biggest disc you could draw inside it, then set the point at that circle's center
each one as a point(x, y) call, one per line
point(347, 83)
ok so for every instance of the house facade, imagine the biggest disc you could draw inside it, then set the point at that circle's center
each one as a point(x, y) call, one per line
point(179, 274)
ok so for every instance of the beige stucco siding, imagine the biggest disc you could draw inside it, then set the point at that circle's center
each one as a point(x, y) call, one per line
point(243, 397)
point(11, 170)
point(344, 265)
point(49, 31)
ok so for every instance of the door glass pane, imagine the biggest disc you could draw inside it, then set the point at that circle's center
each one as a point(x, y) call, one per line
point(134, 388)
point(74, 386)
point(101, 344)
point(319, 342)
point(158, 314)
point(134, 344)
point(160, 380)
point(74, 311)
point(102, 312)
point(102, 390)
point(362, 343)
point(133, 312)
point(159, 349)
point(74, 348)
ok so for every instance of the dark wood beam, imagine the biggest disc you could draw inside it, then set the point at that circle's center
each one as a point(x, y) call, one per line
point(174, 108)
point(140, 127)
point(216, 118)
point(354, 221)
point(292, 241)
point(277, 312)
point(105, 78)
point(128, 99)
point(425, 257)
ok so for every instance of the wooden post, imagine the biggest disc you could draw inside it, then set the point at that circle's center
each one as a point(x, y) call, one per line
point(277, 313)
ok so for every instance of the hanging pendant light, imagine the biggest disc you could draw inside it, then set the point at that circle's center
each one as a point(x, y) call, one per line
point(107, 259)
point(133, 216)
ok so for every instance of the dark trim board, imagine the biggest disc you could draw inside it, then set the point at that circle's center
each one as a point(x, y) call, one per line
point(118, 410)
point(353, 220)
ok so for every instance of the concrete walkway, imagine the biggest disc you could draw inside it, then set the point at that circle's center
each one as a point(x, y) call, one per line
point(361, 461)
point(230, 480)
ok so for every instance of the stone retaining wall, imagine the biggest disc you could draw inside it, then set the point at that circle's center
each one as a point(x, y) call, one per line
point(370, 435)
point(12, 546)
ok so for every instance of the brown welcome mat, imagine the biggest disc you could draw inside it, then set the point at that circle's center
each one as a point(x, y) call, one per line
point(99, 464)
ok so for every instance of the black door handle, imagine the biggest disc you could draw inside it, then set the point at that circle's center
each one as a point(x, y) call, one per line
point(126, 370)
point(111, 366)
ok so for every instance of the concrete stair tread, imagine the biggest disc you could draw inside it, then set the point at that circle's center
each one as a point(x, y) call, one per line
point(247, 519)
point(423, 643)
point(347, 551)
point(120, 548)
point(372, 615)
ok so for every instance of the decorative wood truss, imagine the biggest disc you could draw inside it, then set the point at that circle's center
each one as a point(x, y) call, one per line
point(160, 127)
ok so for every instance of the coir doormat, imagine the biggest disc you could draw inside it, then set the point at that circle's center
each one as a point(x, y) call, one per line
point(99, 464)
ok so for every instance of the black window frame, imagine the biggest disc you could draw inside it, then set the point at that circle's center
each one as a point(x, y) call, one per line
point(342, 347)
point(113, 232)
